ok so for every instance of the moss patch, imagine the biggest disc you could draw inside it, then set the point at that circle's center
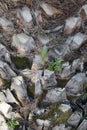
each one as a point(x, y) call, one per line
point(5, 83)
point(21, 62)
point(62, 117)
point(55, 115)
point(61, 83)
point(31, 90)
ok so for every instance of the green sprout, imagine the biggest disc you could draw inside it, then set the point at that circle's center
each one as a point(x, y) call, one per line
point(55, 65)
point(12, 123)
point(44, 54)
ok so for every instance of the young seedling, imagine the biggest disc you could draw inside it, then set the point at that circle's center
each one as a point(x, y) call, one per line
point(12, 123)
point(44, 55)
point(55, 65)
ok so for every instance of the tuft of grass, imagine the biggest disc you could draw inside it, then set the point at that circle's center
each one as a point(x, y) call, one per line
point(55, 65)
point(12, 123)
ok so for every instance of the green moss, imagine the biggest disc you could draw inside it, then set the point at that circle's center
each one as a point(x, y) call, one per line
point(31, 90)
point(6, 84)
point(61, 83)
point(20, 62)
point(62, 117)
point(49, 114)
point(55, 115)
